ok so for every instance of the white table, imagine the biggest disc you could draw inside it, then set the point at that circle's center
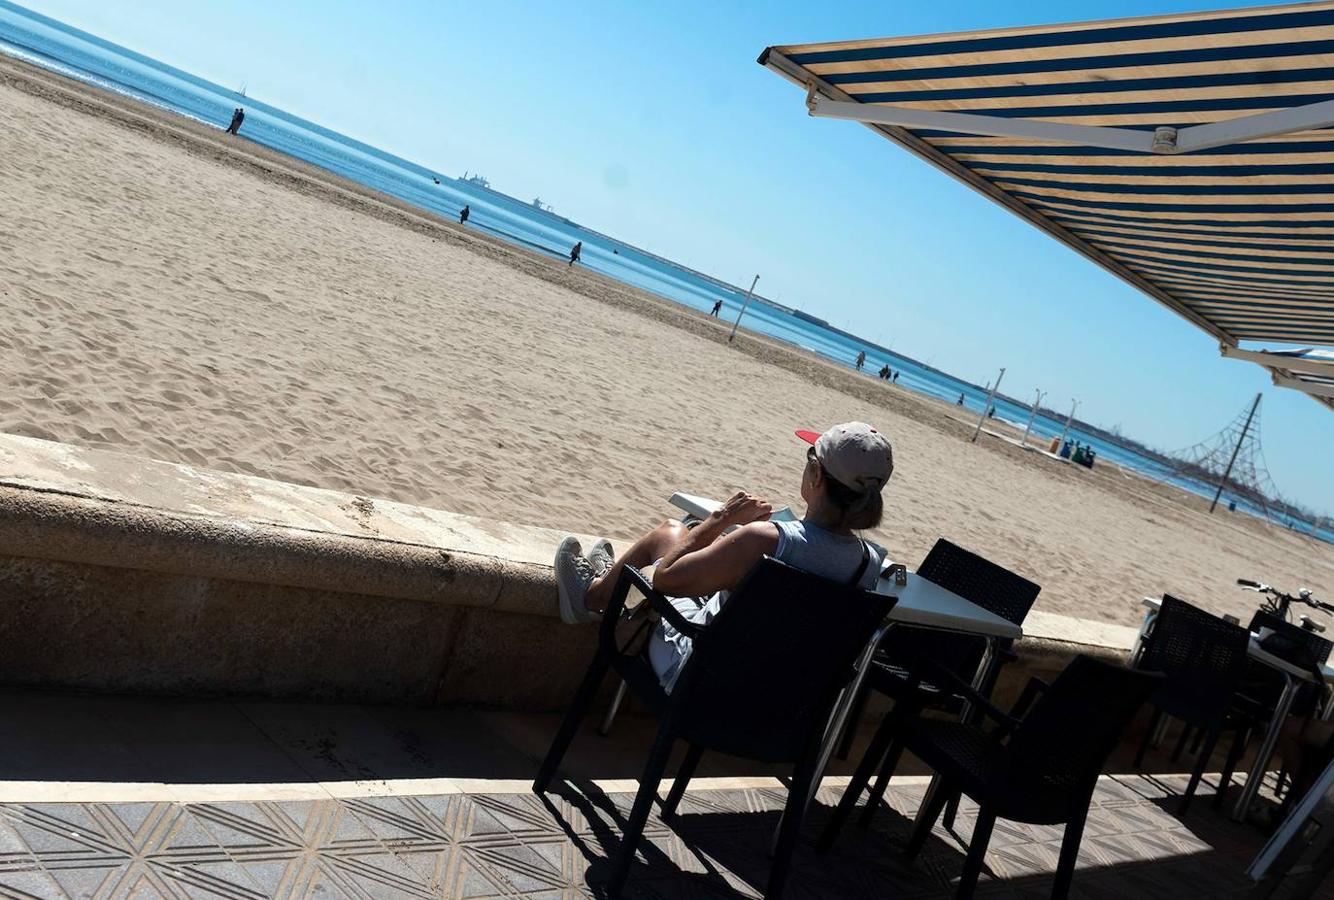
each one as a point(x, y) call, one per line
point(1293, 676)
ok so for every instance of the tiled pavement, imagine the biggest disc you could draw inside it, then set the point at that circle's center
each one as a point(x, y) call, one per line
point(516, 844)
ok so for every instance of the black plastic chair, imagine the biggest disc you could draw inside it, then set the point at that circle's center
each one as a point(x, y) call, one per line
point(976, 579)
point(1260, 688)
point(1040, 765)
point(761, 684)
point(1204, 660)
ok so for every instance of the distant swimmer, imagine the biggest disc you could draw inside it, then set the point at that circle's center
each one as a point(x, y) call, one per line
point(436, 180)
point(238, 116)
point(463, 216)
point(861, 359)
point(575, 251)
point(717, 306)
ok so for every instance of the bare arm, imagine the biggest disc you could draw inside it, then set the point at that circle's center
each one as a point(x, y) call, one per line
point(704, 562)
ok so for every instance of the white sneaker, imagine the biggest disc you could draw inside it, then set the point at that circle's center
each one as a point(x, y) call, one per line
point(574, 573)
point(602, 557)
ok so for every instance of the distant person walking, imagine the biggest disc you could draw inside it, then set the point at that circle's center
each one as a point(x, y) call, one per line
point(861, 359)
point(959, 402)
point(463, 216)
point(717, 307)
point(896, 376)
point(884, 372)
point(575, 251)
point(238, 116)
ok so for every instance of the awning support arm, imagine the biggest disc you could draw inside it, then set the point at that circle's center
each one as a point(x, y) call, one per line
point(1314, 388)
point(1280, 361)
point(995, 126)
point(1165, 140)
point(1252, 128)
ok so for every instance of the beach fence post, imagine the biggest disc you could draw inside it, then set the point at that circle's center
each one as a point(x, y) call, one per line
point(1241, 439)
point(991, 395)
point(1032, 414)
point(1066, 430)
point(744, 304)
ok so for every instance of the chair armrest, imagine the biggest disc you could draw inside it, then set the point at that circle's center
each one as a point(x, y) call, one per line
point(943, 676)
point(660, 603)
point(1027, 697)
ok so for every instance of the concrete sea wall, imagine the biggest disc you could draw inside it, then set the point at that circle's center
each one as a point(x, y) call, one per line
point(125, 574)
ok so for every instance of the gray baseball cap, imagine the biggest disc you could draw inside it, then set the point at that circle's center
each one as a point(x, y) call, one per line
point(854, 454)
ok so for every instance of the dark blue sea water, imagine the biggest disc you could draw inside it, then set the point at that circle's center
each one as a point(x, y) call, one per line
point(84, 56)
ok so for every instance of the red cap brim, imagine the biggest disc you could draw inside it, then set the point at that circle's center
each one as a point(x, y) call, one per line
point(809, 437)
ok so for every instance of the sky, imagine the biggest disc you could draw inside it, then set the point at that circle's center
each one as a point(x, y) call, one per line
point(653, 123)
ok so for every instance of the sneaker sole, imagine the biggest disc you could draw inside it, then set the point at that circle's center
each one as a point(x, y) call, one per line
point(567, 580)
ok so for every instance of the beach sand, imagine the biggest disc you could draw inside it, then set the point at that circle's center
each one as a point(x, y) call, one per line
point(175, 293)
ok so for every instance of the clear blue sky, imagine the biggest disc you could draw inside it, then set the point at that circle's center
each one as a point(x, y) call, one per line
point(652, 122)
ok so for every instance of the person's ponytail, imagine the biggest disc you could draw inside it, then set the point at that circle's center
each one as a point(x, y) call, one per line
point(859, 510)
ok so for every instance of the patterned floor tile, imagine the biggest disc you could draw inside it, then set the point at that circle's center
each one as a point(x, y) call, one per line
point(556, 846)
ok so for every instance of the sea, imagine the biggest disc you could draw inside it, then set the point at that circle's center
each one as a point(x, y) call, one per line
point(61, 48)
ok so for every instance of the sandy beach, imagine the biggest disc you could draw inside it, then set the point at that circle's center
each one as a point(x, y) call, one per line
point(175, 293)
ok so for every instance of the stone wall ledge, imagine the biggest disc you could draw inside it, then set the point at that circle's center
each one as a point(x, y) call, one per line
point(122, 573)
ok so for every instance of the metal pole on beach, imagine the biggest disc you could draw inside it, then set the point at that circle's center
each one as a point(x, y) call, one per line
point(744, 304)
point(991, 395)
point(1066, 430)
point(1032, 414)
point(1235, 450)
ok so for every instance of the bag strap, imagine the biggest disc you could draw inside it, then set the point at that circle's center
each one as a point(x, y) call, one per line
point(861, 570)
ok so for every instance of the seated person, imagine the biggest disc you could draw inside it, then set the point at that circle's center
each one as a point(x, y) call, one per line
point(845, 470)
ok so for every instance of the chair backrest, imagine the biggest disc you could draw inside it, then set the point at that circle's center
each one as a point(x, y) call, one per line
point(979, 580)
point(974, 578)
point(767, 671)
point(1202, 656)
point(1318, 647)
point(1077, 722)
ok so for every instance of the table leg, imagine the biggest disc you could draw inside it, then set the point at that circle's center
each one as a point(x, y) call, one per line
point(840, 716)
point(980, 677)
point(841, 710)
point(605, 728)
point(1266, 750)
point(1137, 650)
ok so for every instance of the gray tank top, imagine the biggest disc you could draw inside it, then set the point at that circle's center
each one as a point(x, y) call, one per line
point(806, 546)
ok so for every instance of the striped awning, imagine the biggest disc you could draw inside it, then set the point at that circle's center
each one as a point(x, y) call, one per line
point(1236, 235)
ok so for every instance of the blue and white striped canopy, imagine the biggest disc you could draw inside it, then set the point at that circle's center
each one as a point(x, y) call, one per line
point(1239, 239)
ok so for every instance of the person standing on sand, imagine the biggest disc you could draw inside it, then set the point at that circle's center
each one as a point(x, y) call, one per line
point(463, 216)
point(717, 306)
point(861, 359)
point(238, 116)
point(575, 251)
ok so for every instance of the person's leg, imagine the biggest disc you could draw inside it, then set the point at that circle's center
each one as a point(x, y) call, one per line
point(644, 552)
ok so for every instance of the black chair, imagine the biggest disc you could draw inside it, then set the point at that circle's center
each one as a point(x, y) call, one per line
point(1204, 660)
point(1260, 688)
point(976, 579)
point(1040, 765)
point(761, 683)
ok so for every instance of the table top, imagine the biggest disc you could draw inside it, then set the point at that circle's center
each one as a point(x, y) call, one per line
point(1259, 654)
point(928, 605)
point(921, 603)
